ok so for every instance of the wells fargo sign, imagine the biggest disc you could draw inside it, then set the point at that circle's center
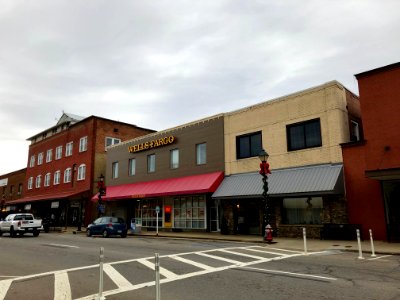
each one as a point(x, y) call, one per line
point(152, 144)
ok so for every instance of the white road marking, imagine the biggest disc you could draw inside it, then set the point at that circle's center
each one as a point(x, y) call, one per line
point(124, 285)
point(115, 276)
point(231, 261)
point(241, 254)
point(291, 273)
point(64, 246)
point(379, 257)
point(267, 252)
point(62, 288)
point(191, 262)
point(163, 272)
point(4, 286)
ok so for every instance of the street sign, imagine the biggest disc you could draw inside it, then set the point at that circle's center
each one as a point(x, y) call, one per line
point(157, 209)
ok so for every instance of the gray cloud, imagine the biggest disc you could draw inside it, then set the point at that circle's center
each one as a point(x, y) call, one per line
point(159, 64)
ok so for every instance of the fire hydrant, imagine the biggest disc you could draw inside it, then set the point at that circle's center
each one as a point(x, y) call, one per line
point(268, 233)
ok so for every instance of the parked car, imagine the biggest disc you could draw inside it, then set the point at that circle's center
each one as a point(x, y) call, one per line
point(20, 223)
point(107, 226)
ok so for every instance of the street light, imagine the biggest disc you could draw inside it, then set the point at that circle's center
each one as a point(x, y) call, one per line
point(264, 171)
point(102, 192)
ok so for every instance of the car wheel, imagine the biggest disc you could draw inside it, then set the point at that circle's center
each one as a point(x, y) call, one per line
point(36, 233)
point(123, 235)
point(20, 233)
point(105, 233)
point(88, 233)
point(1, 233)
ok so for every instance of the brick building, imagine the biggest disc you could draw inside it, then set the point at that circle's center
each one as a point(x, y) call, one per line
point(372, 165)
point(11, 185)
point(64, 164)
point(302, 133)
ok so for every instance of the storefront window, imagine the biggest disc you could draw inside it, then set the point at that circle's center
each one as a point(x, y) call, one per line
point(302, 210)
point(189, 212)
point(149, 215)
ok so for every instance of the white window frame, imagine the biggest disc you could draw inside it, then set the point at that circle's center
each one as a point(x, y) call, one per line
point(174, 158)
point(40, 158)
point(201, 154)
point(57, 176)
point(38, 181)
point(113, 141)
point(355, 131)
point(151, 163)
point(68, 148)
point(49, 155)
point(132, 167)
point(81, 172)
point(67, 175)
point(114, 170)
point(83, 144)
point(32, 161)
point(59, 151)
point(30, 183)
point(47, 179)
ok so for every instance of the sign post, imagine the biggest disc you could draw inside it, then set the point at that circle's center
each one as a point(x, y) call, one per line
point(157, 212)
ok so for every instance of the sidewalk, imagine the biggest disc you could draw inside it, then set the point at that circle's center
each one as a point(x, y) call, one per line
point(381, 247)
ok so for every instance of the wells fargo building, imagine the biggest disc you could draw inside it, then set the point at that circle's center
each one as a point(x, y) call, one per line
point(176, 169)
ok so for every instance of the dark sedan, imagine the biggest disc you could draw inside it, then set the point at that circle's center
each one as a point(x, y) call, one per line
point(107, 226)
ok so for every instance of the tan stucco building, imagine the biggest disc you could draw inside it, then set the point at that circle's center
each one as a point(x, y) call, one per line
point(302, 133)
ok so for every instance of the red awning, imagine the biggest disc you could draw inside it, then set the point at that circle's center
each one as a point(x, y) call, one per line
point(196, 184)
point(43, 197)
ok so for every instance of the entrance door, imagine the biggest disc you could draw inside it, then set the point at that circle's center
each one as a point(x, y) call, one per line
point(214, 217)
point(391, 191)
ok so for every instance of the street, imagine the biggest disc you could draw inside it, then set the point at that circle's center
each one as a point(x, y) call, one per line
point(66, 266)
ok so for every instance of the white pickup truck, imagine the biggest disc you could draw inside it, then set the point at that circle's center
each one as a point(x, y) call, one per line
point(20, 223)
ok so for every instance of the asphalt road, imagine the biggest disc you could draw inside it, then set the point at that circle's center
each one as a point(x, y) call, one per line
point(65, 266)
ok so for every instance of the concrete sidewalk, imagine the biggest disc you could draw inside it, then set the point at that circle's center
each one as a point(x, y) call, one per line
point(313, 245)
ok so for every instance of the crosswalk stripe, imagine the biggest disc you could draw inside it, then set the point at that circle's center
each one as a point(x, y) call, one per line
point(62, 288)
point(163, 272)
point(115, 276)
point(193, 263)
point(235, 262)
point(241, 254)
point(267, 252)
point(4, 286)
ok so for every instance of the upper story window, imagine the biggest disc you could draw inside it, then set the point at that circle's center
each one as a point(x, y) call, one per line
point(47, 179)
point(32, 161)
point(132, 167)
point(38, 181)
point(83, 144)
point(112, 141)
point(30, 183)
point(57, 176)
point(19, 189)
point(174, 158)
point(201, 154)
point(115, 167)
point(67, 175)
point(354, 131)
point(49, 155)
point(248, 145)
point(82, 172)
point(40, 158)
point(304, 135)
point(59, 152)
point(151, 163)
point(68, 148)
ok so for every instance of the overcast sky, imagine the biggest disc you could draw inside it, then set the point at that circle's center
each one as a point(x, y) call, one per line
point(158, 64)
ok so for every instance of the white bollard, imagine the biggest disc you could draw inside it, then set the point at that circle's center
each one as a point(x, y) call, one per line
point(372, 243)
point(100, 295)
point(359, 245)
point(305, 241)
point(157, 269)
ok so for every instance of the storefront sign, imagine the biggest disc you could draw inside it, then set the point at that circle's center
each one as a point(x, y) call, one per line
point(28, 206)
point(152, 144)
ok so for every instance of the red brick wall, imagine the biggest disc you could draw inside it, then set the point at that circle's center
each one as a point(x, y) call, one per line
point(13, 179)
